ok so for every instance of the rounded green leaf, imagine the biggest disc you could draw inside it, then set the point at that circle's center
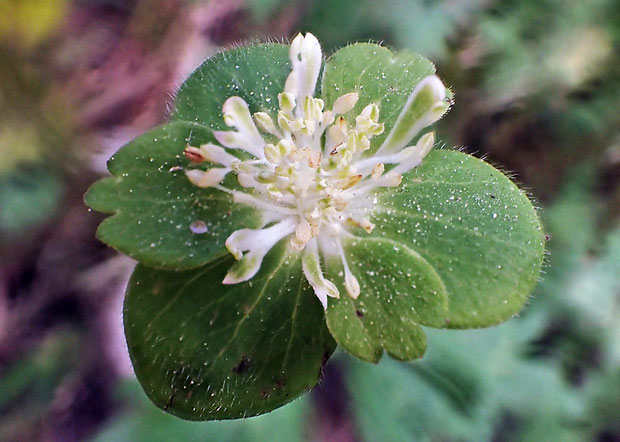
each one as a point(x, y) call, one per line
point(399, 291)
point(255, 73)
point(154, 205)
point(475, 227)
point(153, 202)
point(379, 76)
point(202, 350)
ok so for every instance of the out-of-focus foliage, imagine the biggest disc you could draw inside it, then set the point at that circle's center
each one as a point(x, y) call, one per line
point(29, 191)
point(31, 21)
point(263, 9)
point(28, 199)
point(30, 385)
point(537, 85)
point(419, 25)
point(561, 46)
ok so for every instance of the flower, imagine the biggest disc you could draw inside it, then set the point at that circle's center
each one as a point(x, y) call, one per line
point(311, 175)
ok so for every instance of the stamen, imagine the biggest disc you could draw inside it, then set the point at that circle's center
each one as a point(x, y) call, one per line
point(286, 101)
point(272, 154)
point(367, 225)
point(391, 179)
point(265, 122)
point(425, 144)
point(377, 171)
point(194, 154)
point(211, 153)
point(345, 103)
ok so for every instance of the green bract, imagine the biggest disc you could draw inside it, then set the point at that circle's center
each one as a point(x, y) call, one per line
point(291, 204)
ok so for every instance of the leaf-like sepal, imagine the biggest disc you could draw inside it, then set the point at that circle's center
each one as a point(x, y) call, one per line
point(154, 205)
point(255, 73)
point(204, 351)
point(399, 290)
point(475, 227)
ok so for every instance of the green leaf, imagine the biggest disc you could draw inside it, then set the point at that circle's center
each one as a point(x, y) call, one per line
point(475, 227)
point(379, 76)
point(254, 73)
point(154, 204)
point(28, 198)
point(205, 351)
point(399, 290)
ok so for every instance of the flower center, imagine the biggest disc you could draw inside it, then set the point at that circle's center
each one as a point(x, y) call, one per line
point(311, 173)
point(312, 179)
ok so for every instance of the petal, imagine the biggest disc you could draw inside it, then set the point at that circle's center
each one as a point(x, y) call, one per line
point(415, 154)
point(425, 144)
point(208, 178)
point(260, 204)
point(311, 265)
point(237, 115)
point(306, 57)
point(425, 105)
point(257, 243)
point(215, 154)
point(350, 281)
point(237, 140)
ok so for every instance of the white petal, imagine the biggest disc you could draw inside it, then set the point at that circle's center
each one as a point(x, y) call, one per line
point(351, 284)
point(306, 56)
point(350, 281)
point(247, 180)
point(291, 83)
point(411, 157)
point(425, 105)
point(237, 140)
point(217, 154)
point(425, 144)
point(244, 269)
point(311, 266)
point(208, 178)
point(257, 244)
point(265, 206)
point(237, 115)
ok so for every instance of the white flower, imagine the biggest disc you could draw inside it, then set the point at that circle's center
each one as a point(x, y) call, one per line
point(318, 179)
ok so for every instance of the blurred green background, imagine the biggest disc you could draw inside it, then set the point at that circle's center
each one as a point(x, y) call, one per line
point(537, 86)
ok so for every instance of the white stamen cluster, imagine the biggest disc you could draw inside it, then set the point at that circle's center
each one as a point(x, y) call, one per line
point(314, 177)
